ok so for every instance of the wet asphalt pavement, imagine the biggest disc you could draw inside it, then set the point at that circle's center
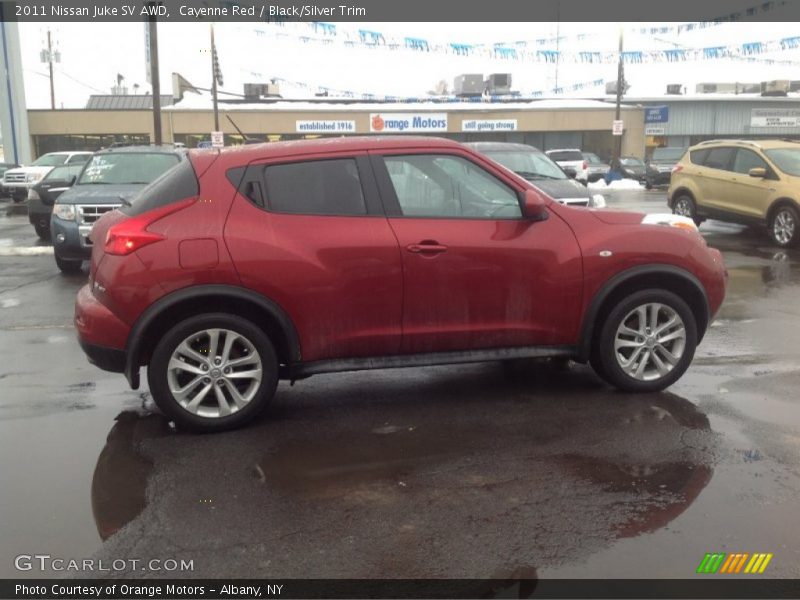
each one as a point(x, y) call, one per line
point(487, 470)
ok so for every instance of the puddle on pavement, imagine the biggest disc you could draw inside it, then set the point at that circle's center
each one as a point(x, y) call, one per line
point(120, 476)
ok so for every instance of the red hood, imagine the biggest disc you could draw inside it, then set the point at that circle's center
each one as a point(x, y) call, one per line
point(613, 217)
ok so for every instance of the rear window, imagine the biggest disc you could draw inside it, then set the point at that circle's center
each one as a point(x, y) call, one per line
point(321, 187)
point(177, 183)
point(565, 155)
point(698, 157)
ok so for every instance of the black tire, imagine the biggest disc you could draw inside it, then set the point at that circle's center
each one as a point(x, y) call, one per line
point(684, 205)
point(606, 359)
point(784, 226)
point(68, 267)
point(42, 231)
point(158, 374)
point(19, 198)
point(648, 185)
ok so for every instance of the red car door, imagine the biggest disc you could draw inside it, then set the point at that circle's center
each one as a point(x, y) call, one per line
point(311, 235)
point(476, 274)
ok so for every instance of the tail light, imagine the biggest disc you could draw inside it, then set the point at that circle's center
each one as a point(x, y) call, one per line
point(677, 168)
point(585, 165)
point(131, 234)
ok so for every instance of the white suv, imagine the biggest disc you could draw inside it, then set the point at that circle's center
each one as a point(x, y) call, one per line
point(571, 159)
point(17, 181)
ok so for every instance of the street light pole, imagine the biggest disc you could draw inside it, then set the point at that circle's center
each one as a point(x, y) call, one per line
point(620, 91)
point(154, 78)
point(50, 61)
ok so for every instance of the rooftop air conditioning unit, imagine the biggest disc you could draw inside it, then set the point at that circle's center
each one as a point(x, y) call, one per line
point(468, 84)
point(674, 89)
point(794, 86)
point(499, 83)
point(778, 87)
point(253, 91)
point(272, 90)
point(706, 88)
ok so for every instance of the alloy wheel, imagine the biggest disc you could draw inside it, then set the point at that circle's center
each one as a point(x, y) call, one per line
point(214, 373)
point(783, 226)
point(683, 207)
point(650, 341)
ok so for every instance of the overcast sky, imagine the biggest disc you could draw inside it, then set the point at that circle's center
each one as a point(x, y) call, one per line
point(92, 54)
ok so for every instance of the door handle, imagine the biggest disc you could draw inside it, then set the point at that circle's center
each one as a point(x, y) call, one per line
point(426, 247)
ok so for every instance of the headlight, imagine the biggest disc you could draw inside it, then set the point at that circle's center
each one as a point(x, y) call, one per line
point(64, 211)
point(598, 201)
point(33, 195)
point(33, 177)
point(670, 220)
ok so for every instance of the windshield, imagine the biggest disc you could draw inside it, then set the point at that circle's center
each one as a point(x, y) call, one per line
point(122, 168)
point(530, 164)
point(50, 160)
point(593, 158)
point(786, 159)
point(631, 162)
point(565, 155)
point(668, 153)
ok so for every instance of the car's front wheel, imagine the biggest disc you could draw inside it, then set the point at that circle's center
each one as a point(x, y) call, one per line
point(646, 342)
point(213, 372)
point(785, 226)
point(42, 231)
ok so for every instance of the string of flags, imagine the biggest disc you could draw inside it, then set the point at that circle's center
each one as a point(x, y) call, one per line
point(521, 53)
point(530, 50)
point(349, 94)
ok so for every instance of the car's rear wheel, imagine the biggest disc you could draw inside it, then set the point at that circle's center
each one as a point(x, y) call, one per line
point(685, 206)
point(646, 342)
point(213, 372)
point(785, 226)
point(69, 267)
point(42, 231)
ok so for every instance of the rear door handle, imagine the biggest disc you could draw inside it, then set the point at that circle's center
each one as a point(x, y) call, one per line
point(426, 247)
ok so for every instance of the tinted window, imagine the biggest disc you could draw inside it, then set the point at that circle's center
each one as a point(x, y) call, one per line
point(746, 160)
point(698, 157)
point(126, 168)
point(176, 184)
point(63, 173)
point(449, 186)
point(320, 187)
point(719, 158)
point(565, 155)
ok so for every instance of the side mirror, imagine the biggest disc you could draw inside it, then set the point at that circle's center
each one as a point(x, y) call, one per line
point(758, 172)
point(571, 173)
point(534, 206)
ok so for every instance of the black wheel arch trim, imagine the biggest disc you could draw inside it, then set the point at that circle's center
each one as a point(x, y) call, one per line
point(151, 313)
point(778, 202)
point(678, 192)
point(589, 320)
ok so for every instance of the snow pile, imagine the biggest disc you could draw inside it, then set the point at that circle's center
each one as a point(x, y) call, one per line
point(619, 184)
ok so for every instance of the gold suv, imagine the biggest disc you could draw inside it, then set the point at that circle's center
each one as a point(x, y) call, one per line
point(750, 182)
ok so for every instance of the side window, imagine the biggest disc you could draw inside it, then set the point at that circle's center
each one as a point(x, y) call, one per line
point(78, 159)
point(698, 157)
point(720, 158)
point(746, 160)
point(318, 187)
point(429, 185)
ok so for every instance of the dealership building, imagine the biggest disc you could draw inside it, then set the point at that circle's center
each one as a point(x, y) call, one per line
point(649, 122)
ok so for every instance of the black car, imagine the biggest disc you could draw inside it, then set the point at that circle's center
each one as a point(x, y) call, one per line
point(42, 196)
point(3, 168)
point(660, 165)
point(633, 168)
point(538, 168)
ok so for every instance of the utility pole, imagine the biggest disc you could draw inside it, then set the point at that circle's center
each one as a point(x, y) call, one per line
point(47, 55)
point(620, 91)
point(154, 78)
point(214, 76)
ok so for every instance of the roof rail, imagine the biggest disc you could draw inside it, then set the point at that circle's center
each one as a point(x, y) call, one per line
point(730, 141)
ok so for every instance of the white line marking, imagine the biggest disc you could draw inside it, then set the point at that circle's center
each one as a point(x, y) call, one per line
point(26, 251)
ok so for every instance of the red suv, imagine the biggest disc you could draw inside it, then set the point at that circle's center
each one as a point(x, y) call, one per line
point(240, 267)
